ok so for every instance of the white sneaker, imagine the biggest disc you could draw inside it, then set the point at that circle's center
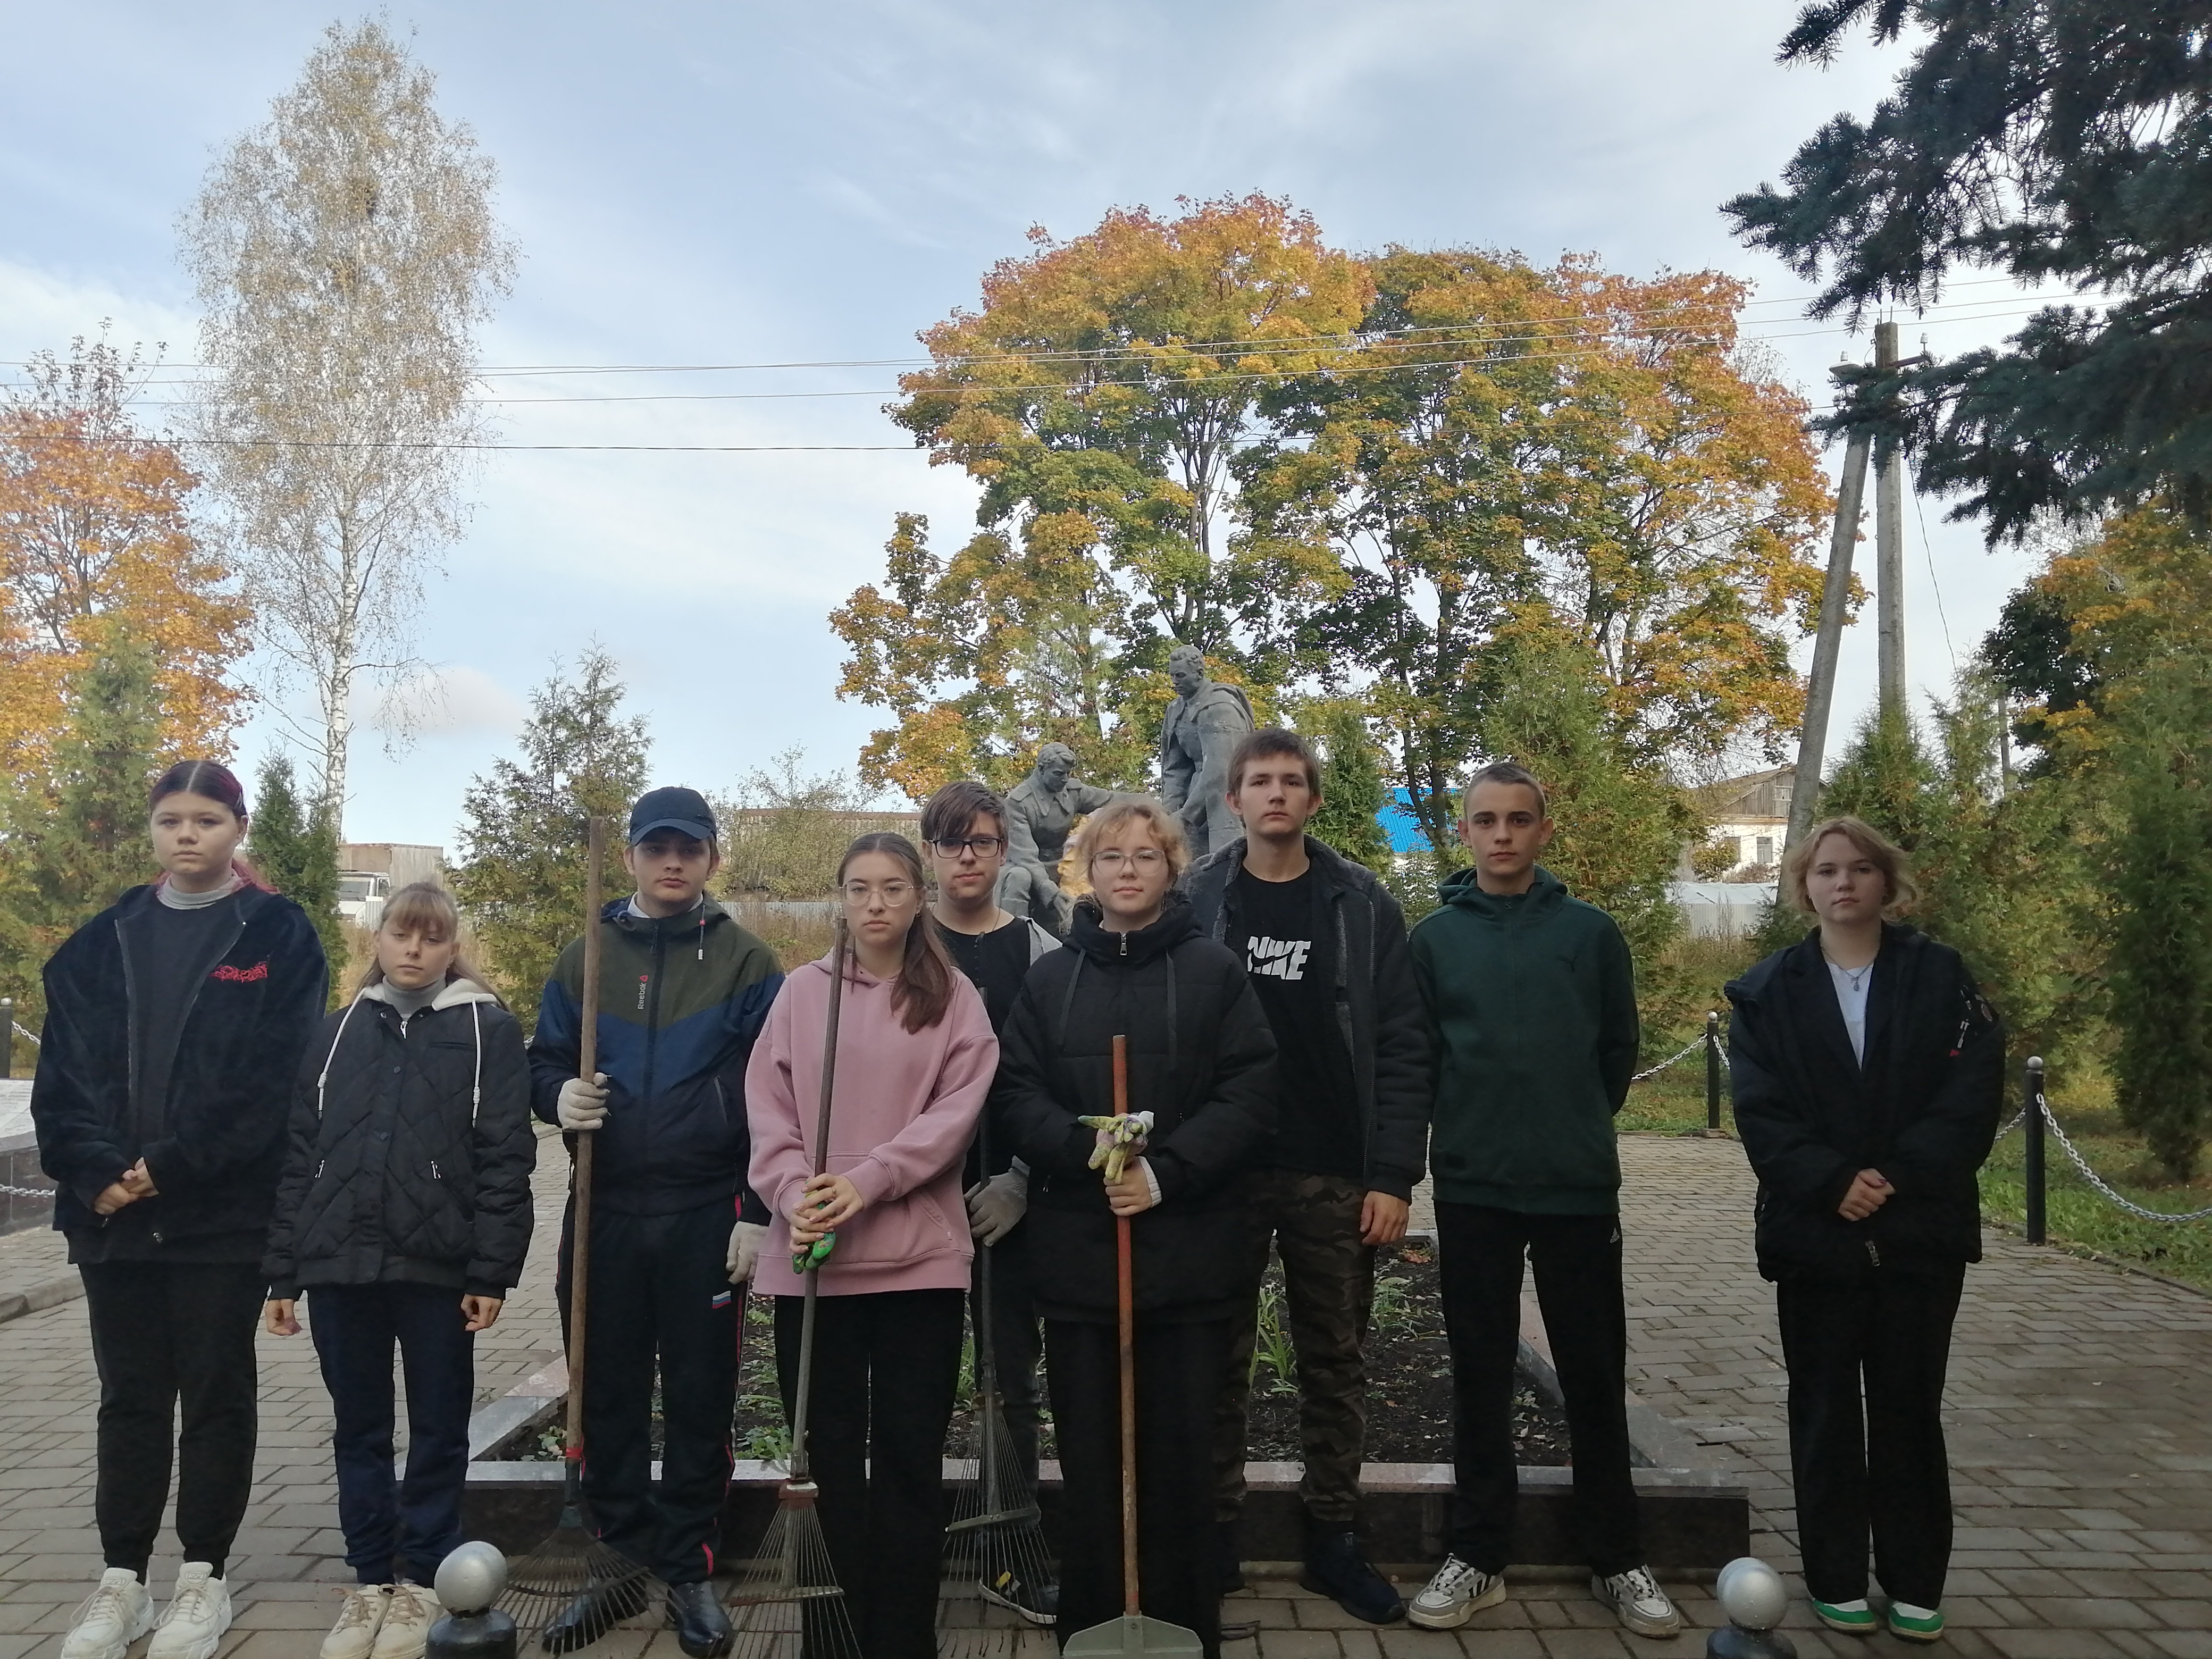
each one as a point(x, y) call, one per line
point(1455, 1596)
point(408, 1616)
point(359, 1620)
point(198, 1613)
point(112, 1617)
point(1636, 1596)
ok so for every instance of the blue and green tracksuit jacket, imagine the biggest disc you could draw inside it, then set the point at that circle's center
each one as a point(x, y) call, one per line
point(680, 999)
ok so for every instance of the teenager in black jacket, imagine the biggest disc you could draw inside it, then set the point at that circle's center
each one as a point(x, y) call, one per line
point(405, 1207)
point(1201, 1061)
point(174, 1022)
point(1867, 1073)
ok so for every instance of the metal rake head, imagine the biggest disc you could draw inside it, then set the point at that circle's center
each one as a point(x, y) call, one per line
point(572, 1590)
point(787, 1604)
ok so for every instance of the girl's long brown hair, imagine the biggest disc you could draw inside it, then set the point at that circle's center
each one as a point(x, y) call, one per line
point(425, 907)
point(924, 990)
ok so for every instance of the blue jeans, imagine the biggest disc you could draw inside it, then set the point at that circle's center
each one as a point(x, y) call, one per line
point(397, 1527)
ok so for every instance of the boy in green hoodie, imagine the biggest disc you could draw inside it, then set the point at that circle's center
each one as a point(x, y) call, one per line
point(1532, 1000)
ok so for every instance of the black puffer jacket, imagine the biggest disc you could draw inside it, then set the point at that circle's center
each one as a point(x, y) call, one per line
point(215, 1146)
point(1201, 1060)
point(1378, 1006)
point(409, 1151)
point(1923, 1109)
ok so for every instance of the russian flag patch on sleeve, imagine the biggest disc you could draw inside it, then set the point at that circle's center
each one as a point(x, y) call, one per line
point(722, 1301)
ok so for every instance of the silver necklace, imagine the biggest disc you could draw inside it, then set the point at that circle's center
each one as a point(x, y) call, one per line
point(1857, 976)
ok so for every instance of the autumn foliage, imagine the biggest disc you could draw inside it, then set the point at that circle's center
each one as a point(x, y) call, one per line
point(1396, 475)
point(95, 535)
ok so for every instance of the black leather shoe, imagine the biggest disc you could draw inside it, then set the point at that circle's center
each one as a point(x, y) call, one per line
point(1232, 1564)
point(592, 1614)
point(1336, 1569)
point(702, 1629)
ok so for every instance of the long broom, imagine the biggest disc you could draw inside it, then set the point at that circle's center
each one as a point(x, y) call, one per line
point(573, 1569)
point(787, 1604)
point(1132, 1635)
point(994, 1540)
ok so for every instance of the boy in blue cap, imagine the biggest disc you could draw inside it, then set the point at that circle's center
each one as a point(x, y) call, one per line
point(683, 992)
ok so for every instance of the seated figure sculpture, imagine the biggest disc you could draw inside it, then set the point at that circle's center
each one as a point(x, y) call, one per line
point(1041, 810)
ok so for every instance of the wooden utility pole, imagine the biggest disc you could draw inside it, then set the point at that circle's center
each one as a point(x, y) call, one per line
point(1820, 684)
point(1889, 550)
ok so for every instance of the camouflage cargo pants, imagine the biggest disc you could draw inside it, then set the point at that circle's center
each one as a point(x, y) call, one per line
point(1329, 1278)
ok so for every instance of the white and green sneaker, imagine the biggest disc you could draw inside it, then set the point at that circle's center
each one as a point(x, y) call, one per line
point(1853, 1618)
point(1915, 1624)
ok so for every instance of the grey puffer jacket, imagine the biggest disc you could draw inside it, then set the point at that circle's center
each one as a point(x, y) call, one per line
point(410, 1149)
point(1378, 1006)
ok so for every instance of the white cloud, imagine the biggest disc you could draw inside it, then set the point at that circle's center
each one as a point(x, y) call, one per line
point(454, 698)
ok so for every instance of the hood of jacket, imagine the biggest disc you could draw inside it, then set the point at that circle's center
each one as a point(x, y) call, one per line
point(1088, 933)
point(454, 993)
point(1546, 894)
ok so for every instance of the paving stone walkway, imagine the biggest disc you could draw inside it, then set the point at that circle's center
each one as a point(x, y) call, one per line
point(2082, 1434)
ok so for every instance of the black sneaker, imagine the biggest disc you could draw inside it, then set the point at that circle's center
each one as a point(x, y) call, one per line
point(592, 1613)
point(1232, 1564)
point(1037, 1602)
point(1336, 1569)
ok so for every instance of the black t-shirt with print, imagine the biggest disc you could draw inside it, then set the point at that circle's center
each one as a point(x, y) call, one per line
point(1283, 931)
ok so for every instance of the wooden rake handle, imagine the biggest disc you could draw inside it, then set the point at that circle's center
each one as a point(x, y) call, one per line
point(588, 1064)
point(1125, 1296)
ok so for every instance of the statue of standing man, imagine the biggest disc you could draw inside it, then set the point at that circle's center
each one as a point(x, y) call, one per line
point(1205, 724)
point(1040, 811)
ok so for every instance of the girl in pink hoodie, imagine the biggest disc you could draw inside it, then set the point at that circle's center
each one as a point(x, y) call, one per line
point(915, 1057)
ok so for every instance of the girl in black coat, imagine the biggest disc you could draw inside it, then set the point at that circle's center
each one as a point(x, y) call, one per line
point(405, 1208)
point(174, 1022)
point(1201, 1063)
point(1867, 1071)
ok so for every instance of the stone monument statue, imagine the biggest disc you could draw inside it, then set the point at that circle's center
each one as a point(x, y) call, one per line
point(1205, 724)
point(1041, 810)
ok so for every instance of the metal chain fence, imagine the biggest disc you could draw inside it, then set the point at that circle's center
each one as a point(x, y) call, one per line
point(2103, 1187)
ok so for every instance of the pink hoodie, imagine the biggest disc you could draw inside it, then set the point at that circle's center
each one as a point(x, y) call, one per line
point(904, 1112)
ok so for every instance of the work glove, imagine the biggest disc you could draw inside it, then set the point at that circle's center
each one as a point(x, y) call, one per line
point(582, 1106)
point(1119, 1139)
point(996, 1205)
point(745, 1251)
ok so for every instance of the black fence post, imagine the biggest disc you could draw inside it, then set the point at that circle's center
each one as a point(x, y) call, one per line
point(1712, 1073)
point(6, 1036)
point(2031, 1098)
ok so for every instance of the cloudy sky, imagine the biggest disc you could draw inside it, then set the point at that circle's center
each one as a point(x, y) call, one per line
point(736, 183)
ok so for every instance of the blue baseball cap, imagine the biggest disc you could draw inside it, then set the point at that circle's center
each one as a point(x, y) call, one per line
point(684, 810)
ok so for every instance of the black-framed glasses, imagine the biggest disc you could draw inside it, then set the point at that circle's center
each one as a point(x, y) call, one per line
point(982, 846)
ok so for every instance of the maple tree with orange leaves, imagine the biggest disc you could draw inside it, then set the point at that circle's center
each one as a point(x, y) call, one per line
point(96, 534)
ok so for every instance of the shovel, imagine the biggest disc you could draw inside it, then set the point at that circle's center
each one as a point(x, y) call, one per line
point(1131, 1634)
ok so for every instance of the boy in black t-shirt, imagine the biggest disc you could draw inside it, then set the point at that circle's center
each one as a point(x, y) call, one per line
point(964, 839)
point(1325, 944)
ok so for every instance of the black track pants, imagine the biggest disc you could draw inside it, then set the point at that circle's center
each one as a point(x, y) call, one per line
point(1576, 1259)
point(659, 1292)
point(1178, 1386)
point(1866, 1431)
point(885, 1369)
point(165, 1333)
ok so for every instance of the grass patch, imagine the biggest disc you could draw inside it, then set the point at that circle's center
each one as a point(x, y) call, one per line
point(1673, 1103)
point(2077, 1214)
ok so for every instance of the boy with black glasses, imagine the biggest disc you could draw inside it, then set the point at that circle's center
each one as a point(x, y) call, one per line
point(964, 834)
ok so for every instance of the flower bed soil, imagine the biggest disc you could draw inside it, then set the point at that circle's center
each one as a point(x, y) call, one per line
point(1408, 1381)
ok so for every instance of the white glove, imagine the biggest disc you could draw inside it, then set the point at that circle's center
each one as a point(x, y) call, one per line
point(583, 1106)
point(745, 1251)
point(996, 1205)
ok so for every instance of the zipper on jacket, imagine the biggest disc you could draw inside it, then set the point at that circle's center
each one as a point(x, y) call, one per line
point(1124, 938)
point(1872, 1255)
point(434, 1175)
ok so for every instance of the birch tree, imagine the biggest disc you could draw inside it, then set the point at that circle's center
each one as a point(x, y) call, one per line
point(345, 253)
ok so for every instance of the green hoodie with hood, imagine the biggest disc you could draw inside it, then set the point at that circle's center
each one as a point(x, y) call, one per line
point(1532, 1000)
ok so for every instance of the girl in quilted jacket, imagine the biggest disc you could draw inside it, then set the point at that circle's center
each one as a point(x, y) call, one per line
point(403, 1211)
